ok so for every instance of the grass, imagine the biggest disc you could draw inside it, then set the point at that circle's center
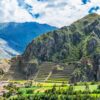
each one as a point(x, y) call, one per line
point(25, 89)
point(39, 89)
point(45, 86)
point(83, 88)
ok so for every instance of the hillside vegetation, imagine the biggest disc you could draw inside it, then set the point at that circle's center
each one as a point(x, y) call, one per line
point(71, 53)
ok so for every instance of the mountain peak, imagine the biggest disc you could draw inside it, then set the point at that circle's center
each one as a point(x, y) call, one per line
point(92, 15)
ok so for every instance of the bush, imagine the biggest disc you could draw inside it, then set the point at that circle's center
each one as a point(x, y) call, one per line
point(93, 83)
point(96, 92)
point(75, 84)
point(98, 87)
point(29, 91)
point(7, 95)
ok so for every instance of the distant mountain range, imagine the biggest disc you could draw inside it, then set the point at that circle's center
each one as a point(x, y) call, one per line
point(14, 37)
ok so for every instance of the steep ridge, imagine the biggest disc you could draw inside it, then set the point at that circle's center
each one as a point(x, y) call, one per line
point(75, 48)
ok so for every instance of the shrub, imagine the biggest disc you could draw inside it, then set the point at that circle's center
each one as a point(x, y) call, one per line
point(29, 91)
point(93, 83)
point(98, 87)
point(7, 95)
point(75, 84)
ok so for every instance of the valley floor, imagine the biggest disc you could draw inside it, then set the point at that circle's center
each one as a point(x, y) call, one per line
point(30, 90)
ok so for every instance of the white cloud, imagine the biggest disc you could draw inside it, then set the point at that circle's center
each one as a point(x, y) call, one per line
point(10, 11)
point(53, 12)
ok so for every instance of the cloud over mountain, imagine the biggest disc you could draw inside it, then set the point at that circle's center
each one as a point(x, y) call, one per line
point(53, 12)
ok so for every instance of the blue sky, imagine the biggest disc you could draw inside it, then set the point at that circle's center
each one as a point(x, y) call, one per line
point(54, 12)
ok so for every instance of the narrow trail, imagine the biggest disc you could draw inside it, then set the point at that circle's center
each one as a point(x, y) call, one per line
point(48, 76)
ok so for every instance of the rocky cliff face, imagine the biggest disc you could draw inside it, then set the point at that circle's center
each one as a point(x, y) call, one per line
point(77, 44)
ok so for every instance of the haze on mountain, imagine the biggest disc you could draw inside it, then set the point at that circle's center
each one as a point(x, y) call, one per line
point(14, 37)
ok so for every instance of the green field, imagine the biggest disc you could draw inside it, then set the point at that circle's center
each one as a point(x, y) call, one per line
point(28, 90)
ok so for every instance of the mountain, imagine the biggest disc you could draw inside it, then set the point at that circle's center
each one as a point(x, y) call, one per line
point(6, 51)
point(14, 37)
point(71, 53)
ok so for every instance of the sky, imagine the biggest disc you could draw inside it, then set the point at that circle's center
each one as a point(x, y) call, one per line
point(53, 12)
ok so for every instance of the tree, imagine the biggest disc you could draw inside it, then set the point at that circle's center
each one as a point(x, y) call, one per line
point(70, 90)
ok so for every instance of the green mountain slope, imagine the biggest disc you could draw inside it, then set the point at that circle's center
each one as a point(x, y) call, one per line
point(74, 52)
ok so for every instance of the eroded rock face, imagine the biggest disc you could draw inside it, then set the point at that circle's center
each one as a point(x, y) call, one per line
point(96, 63)
point(91, 45)
point(97, 32)
point(76, 38)
point(89, 28)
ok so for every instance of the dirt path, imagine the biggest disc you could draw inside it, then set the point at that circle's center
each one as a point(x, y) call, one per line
point(48, 76)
